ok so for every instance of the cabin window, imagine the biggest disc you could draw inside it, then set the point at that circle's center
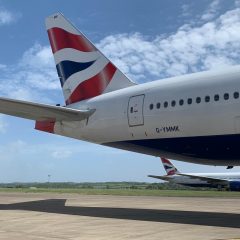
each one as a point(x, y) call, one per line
point(226, 96)
point(198, 100)
point(207, 99)
point(131, 110)
point(189, 101)
point(236, 95)
point(173, 103)
point(216, 97)
point(181, 102)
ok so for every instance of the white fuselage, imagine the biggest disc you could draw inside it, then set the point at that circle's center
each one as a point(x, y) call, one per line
point(185, 180)
point(200, 131)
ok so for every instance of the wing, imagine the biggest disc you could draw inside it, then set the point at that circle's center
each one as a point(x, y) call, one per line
point(41, 112)
point(207, 179)
point(165, 178)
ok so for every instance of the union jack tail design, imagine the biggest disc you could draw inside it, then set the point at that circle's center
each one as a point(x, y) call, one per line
point(84, 72)
point(169, 167)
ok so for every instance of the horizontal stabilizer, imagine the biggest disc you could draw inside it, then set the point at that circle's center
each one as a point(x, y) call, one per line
point(165, 178)
point(41, 112)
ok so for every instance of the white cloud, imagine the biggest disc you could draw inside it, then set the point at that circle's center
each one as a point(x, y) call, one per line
point(7, 17)
point(51, 151)
point(3, 66)
point(237, 3)
point(38, 68)
point(17, 146)
point(61, 153)
point(211, 11)
point(34, 77)
point(192, 48)
point(185, 10)
point(37, 57)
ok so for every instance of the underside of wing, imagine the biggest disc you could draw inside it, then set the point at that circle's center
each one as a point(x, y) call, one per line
point(41, 112)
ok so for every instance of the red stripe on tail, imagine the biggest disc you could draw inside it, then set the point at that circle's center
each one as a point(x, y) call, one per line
point(93, 86)
point(172, 172)
point(59, 39)
point(164, 160)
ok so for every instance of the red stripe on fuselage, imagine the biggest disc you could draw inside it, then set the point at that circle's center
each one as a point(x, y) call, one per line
point(59, 39)
point(94, 86)
point(46, 126)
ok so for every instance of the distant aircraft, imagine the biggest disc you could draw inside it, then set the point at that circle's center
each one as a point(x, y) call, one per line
point(193, 118)
point(230, 181)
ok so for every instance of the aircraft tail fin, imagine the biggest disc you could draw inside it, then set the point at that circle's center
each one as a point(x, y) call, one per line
point(84, 72)
point(169, 167)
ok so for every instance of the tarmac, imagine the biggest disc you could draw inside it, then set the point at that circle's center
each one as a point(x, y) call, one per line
point(25, 216)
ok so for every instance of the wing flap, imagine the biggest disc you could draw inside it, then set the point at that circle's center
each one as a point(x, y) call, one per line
point(42, 112)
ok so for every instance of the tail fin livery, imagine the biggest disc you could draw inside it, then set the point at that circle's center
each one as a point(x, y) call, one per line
point(83, 70)
point(169, 167)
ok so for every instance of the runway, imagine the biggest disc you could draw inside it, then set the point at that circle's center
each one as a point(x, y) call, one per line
point(72, 216)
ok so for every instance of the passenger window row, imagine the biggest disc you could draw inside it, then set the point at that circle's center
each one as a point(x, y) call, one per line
point(189, 101)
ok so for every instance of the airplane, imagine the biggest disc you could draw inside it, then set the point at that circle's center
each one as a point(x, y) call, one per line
point(229, 181)
point(193, 118)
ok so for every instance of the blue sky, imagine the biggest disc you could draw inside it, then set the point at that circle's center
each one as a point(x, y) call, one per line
point(148, 40)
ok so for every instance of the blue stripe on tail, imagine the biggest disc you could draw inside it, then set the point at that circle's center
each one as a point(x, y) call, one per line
point(67, 68)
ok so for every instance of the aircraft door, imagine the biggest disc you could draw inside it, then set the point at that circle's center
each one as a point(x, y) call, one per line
point(135, 111)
